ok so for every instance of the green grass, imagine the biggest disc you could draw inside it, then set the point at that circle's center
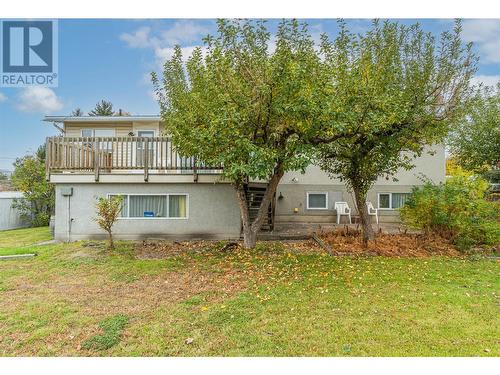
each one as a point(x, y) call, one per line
point(24, 237)
point(79, 300)
point(112, 329)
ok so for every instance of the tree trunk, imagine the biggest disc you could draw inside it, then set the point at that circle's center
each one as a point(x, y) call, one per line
point(368, 233)
point(249, 238)
point(111, 244)
point(250, 229)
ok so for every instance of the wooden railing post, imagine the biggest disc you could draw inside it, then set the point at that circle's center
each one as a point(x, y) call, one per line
point(47, 159)
point(146, 158)
point(96, 159)
point(195, 170)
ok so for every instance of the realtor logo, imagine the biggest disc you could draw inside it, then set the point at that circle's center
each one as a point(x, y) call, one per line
point(29, 53)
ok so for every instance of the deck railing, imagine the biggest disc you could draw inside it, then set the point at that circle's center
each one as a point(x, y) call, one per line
point(107, 154)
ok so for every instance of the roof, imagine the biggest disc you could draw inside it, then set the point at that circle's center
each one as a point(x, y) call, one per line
point(102, 118)
point(10, 194)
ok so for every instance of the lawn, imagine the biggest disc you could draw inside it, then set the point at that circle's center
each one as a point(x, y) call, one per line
point(279, 300)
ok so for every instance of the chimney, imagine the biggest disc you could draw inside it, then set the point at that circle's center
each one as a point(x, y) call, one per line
point(120, 112)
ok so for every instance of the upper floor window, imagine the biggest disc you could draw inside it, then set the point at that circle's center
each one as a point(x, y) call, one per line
point(98, 132)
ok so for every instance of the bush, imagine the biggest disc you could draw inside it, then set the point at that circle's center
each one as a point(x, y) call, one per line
point(39, 197)
point(456, 210)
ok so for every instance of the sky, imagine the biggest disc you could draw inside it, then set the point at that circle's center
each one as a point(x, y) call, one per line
point(113, 59)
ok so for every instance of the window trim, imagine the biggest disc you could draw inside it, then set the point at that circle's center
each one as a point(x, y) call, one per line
point(152, 218)
point(146, 130)
point(93, 132)
point(317, 192)
point(390, 200)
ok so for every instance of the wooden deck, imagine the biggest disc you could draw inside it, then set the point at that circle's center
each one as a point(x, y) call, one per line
point(99, 155)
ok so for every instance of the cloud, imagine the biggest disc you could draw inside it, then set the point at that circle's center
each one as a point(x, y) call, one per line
point(484, 33)
point(3, 97)
point(162, 42)
point(140, 38)
point(486, 80)
point(183, 32)
point(39, 99)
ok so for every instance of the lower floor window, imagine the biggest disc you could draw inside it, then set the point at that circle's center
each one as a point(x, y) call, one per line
point(154, 206)
point(392, 200)
point(317, 201)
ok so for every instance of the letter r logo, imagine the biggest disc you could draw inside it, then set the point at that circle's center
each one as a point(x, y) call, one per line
point(27, 46)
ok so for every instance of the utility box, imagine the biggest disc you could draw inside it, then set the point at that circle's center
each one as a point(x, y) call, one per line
point(66, 191)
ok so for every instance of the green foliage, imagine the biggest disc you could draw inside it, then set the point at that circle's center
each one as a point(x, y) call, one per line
point(456, 209)
point(39, 197)
point(103, 108)
point(112, 329)
point(475, 141)
point(241, 104)
point(108, 211)
point(396, 89)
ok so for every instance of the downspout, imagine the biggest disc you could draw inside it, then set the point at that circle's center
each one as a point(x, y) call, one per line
point(70, 220)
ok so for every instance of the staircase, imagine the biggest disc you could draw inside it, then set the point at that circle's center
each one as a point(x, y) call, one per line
point(255, 193)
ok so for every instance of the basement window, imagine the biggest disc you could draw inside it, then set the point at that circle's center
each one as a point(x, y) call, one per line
point(392, 201)
point(154, 206)
point(317, 200)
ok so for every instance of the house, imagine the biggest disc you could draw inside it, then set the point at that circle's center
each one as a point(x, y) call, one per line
point(170, 196)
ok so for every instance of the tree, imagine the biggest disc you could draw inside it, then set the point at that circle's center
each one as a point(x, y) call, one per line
point(108, 211)
point(475, 141)
point(39, 198)
point(396, 90)
point(103, 108)
point(241, 105)
point(77, 112)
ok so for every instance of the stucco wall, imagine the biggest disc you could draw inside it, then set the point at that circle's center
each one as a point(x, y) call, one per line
point(212, 212)
point(295, 196)
point(295, 185)
point(431, 164)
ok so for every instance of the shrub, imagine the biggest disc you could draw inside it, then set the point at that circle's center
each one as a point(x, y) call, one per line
point(108, 211)
point(456, 210)
point(39, 197)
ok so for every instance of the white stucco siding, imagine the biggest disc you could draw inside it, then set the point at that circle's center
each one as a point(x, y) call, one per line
point(431, 165)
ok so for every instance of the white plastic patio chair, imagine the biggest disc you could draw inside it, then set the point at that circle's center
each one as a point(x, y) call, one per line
point(372, 211)
point(342, 209)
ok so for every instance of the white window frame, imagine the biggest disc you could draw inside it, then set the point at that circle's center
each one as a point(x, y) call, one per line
point(317, 208)
point(93, 132)
point(146, 130)
point(390, 200)
point(127, 195)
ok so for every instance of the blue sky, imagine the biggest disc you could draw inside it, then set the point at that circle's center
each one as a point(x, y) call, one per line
point(111, 59)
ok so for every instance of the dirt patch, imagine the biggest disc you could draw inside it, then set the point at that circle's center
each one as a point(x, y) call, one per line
point(169, 249)
point(349, 242)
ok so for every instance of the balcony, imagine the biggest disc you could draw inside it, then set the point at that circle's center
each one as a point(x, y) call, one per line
point(125, 155)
